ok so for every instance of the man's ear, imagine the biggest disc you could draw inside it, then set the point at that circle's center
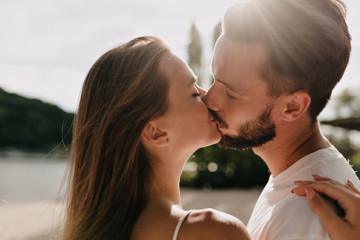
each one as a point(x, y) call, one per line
point(296, 105)
point(154, 135)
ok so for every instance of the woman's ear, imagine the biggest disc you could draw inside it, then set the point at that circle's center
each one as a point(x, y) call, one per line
point(154, 135)
point(296, 104)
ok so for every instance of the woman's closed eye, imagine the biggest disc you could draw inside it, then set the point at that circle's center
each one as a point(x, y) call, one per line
point(197, 94)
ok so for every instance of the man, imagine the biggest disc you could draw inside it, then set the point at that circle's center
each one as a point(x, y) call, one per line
point(275, 66)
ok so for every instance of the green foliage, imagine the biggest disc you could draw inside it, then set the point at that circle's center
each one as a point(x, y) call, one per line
point(347, 149)
point(355, 161)
point(344, 145)
point(32, 125)
point(347, 106)
point(347, 103)
point(220, 168)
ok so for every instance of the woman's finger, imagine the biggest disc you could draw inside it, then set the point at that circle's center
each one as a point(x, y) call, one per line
point(303, 183)
point(348, 184)
point(352, 187)
point(327, 216)
point(320, 178)
point(332, 189)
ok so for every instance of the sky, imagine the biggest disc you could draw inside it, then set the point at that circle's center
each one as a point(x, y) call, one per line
point(48, 46)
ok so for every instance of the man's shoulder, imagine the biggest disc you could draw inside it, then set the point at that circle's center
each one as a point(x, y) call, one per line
point(291, 217)
point(290, 206)
point(324, 162)
point(329, 154)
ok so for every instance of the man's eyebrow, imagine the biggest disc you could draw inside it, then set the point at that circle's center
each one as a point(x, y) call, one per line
point(192, 81)
point(228, 86)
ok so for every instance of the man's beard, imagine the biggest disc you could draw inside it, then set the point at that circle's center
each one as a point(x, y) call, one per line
point(251, 134)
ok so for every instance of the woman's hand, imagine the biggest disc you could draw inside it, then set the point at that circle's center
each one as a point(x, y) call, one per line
point(348, 198)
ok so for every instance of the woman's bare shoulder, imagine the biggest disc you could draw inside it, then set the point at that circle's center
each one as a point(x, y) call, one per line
point(212, 225)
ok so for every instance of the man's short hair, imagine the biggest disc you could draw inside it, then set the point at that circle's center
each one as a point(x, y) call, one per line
point(307, 42)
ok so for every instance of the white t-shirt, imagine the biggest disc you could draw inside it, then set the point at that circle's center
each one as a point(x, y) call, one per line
point(281, 215)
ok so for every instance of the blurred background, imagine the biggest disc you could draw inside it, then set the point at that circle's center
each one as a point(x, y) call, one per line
point(46, 49)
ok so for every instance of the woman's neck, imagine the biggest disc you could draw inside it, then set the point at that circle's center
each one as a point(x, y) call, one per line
point(163, 205)
point(167, 168)
point(165, 184)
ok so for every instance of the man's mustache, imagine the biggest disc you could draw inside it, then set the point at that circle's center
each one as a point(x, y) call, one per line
point(218, 119)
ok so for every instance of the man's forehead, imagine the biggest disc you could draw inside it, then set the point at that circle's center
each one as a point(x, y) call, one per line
point(220, 52)
point(228, 51)
point(234, 62)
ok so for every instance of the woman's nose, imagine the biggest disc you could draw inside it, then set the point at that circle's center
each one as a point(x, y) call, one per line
point(201, 91)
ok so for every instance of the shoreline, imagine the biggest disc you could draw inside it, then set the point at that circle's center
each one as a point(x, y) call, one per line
point(21, 155)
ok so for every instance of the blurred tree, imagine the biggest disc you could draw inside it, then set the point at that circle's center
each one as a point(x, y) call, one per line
point(194, 50)
point(220, 168)
point(347, 104)
point(344, 145)
point(348, 149)
point(347, 112)
point(355, 160)
point(32, 125)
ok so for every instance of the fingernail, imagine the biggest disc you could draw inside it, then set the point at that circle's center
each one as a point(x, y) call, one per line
point(297, 183)
point(316, 176)
point(292, 191)
point(310, 193)
point(348, 181)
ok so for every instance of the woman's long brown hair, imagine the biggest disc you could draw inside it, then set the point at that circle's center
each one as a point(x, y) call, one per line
point(109, 168)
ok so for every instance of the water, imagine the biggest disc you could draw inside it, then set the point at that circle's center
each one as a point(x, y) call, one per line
point(30, 179)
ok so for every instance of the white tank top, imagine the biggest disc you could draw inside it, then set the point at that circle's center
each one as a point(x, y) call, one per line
point(177, 229)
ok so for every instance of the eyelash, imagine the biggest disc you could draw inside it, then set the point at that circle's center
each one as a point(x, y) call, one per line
point(195, 95)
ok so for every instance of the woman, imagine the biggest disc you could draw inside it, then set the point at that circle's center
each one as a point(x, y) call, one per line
point(139, 119)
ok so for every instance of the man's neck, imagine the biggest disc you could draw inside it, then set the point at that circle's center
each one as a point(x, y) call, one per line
point(288, 148)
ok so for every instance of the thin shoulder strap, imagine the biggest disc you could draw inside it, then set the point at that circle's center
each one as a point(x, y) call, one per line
point(177, 229)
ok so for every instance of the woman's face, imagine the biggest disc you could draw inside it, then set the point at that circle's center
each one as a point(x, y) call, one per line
point(188, 122)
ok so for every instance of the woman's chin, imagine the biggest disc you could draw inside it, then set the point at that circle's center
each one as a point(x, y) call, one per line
point(218, 137)
point(214, 139)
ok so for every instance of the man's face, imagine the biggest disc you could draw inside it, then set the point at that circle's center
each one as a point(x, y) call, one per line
point(239, 98)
